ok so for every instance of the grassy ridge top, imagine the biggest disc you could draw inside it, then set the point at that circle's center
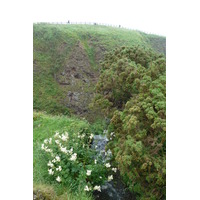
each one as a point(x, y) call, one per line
point(66, 61)
point(110, 37)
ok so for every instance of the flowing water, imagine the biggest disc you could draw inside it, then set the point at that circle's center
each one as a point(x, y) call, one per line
point(110, 190)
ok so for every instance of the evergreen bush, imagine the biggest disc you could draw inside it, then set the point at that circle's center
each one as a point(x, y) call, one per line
point(132, 92)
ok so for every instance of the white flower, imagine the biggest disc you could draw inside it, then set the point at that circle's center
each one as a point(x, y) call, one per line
point(111, 134)
point(57, 134)
point(110, 178)
point(96, 146)
point(59, 168)
point(57, 142)
point(87, 188)
point(81, 136)
point(64, 137)
point(66, 134)
point(45, 148)
point(50, 140)
point(58, 179)
point(100, 177)
point(58, 158)
point(89, 172)
point(107, 165)
point(71, 150)
point(50, 164)
point(46, 141)
point(63, 149)
point(97, 188)
point(73, 157)
point(48, 150)
point(114, 170)
point(51, 172)
point(91, 136)
point(42, 147)
point(53, 160)
point(95, 161)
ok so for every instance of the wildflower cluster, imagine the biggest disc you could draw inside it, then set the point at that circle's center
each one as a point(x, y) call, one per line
point(72, 160)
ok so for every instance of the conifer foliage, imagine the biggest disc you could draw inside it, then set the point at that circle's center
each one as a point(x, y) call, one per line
point(131, 91)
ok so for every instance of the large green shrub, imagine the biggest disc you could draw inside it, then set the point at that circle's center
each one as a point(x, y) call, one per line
point(132, 92)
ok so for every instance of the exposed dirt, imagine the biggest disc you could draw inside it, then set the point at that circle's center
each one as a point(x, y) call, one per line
point(62, 47)
point(99, 49)
point(43, 194)
point(77, 79)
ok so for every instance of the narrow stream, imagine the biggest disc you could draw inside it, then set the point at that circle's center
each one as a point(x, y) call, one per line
point(113, 190)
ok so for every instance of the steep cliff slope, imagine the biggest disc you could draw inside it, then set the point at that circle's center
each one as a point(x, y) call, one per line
point(66, 62)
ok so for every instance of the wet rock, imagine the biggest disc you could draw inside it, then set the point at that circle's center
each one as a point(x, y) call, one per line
point(110, 190)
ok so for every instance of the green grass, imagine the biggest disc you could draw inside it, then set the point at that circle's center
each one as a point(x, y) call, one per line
point(53, 44)
point(45, 126)
point(53, 192)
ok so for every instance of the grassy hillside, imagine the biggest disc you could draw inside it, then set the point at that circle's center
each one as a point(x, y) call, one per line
point(66, 60)
point(45, 126)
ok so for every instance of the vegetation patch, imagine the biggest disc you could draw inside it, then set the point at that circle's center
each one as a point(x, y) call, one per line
point(74, 168)
point(130, 94)
point(66, 60)
point(132, 91)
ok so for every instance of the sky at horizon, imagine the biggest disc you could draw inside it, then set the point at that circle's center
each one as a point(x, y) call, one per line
point(143, 15)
